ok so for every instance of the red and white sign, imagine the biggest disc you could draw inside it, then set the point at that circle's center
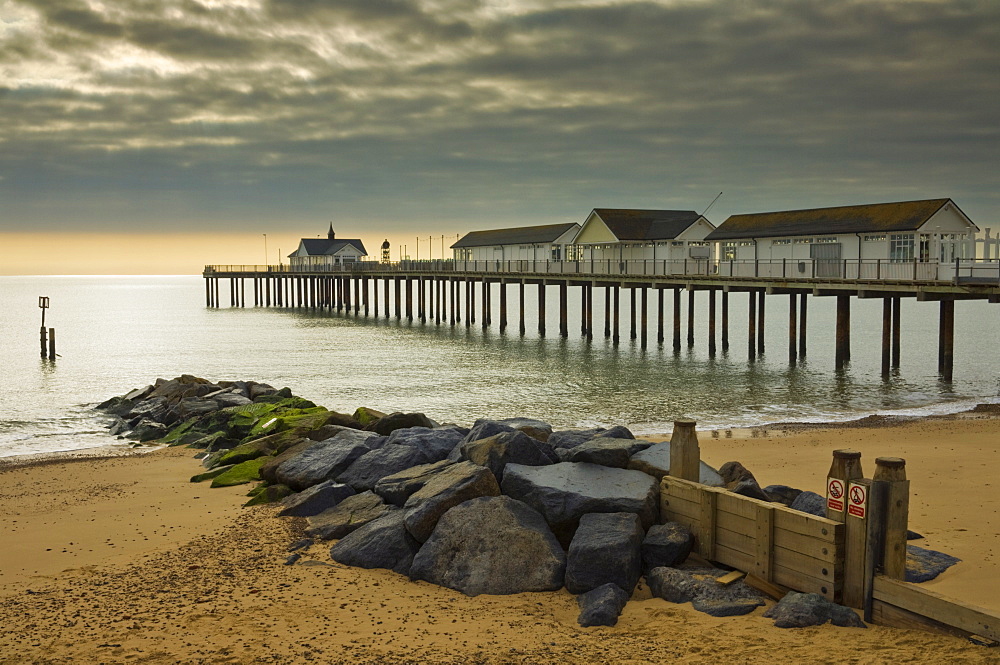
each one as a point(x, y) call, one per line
point(835, 494)
point(857, 500)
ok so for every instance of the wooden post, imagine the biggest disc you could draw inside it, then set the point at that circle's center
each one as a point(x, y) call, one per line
point(792, 327)
point(725, 321)
point(760, 322)
point(685, 454)
point(503, 306)
point(520, 289)
point(632, 313)
point(690, 339)
point(541, 308)
point(52, 343)
point(764, 542)
point(615, 327)
point(364, 293)
point(607, 311)
point(843, 338)
point(589, 320)
point(399, 299)
point(472, 303)
point(946, 340)
point(643, 319)
point(711, 322)
point(659, 316)
point(563, 308)
point(846, 466)
point(895, 332)
point(677, 319)
point(892, 471)
point(875, 549)
point(752, 326)
point(802, 325)
point(856, 541)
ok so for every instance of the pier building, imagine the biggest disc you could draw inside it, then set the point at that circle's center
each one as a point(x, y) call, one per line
point(329, 252)
point(525, 243)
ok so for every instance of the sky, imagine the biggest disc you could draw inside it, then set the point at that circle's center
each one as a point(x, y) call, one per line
point(143, 136)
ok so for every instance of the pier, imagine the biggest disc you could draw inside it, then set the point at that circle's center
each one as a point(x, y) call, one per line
point(444, 292)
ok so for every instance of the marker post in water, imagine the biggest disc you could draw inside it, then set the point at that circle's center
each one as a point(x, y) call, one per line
point(50, 342)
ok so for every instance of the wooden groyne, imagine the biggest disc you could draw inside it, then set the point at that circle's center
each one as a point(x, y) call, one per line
point(445, 292)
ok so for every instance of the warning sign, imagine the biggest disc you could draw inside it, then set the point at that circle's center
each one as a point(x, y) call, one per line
point(835, 494)
point(857, 500)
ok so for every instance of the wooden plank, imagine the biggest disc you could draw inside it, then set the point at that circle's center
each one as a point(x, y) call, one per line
point(684, 489)
point(792, 579)
point(855, 546)
point(764, 542)
point(706, 526)
point(770, 589)
point(730, 577)
point(897, 516)
point(671, 505)
point(823, 549)
point(807, 566)
point(885, 614)
point(784, 517)
point(934, 606)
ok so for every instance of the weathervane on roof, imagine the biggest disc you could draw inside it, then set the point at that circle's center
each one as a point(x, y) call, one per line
point(330, 235)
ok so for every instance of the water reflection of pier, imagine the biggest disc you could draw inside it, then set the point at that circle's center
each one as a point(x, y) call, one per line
point(445, 292)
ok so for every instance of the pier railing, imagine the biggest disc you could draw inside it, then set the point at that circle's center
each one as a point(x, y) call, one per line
point(972, 271)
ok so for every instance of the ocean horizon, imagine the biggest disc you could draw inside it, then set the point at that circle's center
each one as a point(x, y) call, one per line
point(115, 333)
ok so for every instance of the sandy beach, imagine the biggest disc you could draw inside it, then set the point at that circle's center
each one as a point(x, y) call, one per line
point(123, 560)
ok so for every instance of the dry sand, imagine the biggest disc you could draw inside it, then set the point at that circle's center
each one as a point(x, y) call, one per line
point(122, 560)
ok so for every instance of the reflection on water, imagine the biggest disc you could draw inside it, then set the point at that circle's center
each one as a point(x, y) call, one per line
point(120, 332)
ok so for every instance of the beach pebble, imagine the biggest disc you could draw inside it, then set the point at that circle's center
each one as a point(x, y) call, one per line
point(601, 606)
point(605, 549)
point(798, 610)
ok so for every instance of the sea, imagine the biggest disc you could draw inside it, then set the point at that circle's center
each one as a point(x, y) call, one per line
point(116, 333)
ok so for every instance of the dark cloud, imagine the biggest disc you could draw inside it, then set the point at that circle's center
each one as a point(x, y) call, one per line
point(453, 110)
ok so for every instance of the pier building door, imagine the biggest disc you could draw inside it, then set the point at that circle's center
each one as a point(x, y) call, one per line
point(826, 256)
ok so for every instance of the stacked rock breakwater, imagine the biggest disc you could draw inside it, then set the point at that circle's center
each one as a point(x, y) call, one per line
point(501, 507)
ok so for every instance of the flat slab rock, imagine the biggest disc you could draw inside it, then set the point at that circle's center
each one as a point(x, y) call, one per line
point(315, 500)
point(493, 545)
point(923, 565)
point(381, 543)
point(703, 592)
point(447, 488)
point(604, 450)
point(397, 487)
point(348, 515)
point(565, 492)
point(798, 610)
point(655, 461)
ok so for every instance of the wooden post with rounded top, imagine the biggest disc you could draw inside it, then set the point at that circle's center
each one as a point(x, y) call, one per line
point(892, 471)
point(846, 466)
point(685, 454)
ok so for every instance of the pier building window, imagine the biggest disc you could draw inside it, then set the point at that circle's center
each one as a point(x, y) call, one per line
point(803, 241)
point(782, 241)
point(728, 251)
point(820, 241)
point(875, 238)
point(901, 247)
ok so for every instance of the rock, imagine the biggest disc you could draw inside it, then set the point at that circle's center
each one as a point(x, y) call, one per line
point(601, 606)
point(565, 492)
point(913, 535)
point(299, 544)
point(269, 494)
point(484, 428)
point(798, 610)
point(705, 594)
point(240, 474)
point(372, 466)
point(782, 494)
point(655, 461)
point(321, 461)
point(260, 389)
point(382, 543)
point(573, 438)
point(227, 399)
point(208, 475)
point(603, 450)
point(447, 488)
point(147, 430)
point(270, 467)
point(514, 447)
point(194, 407)
point(809, 502)
point(245, 451)
point(739, 480)
point(398, 487)
point(315, 499)
point(434, 443)
point(666, 545)
point(494, 545)
point(605, 548)
point(348, 515)
point(388, 424)
point(154, 409)
point(119, 426)
point(367, 416)
point(734, 472)
point(923, 565)
point(292, 558)
point(536, 429)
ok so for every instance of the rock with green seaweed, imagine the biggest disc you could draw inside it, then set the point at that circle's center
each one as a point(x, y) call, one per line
point(240, 474)
point(269, 494)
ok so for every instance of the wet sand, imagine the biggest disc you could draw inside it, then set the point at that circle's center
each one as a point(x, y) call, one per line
point(123, 560)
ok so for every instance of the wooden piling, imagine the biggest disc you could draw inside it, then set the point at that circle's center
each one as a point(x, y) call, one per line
point(44, 339)
point(564, 308)
point(892, 471)
point(503, 305)
point(52, 343)
point(615, 313)
point(792, 328)
point(711, 322)
point(855, 541)
point(485, 314)
point(802, 325)
point(846, 466)
point(399, 298)
point(677, 319)
point(520, 306)
point(886, 335)
point(690, 321)
point(946, 340)
point(760, 322)
point(607, 311)
point(685, 454)
point(895, 332)
point(725, 321)
point(643, 329)
point(632, 326)
point(752, 326)
point(541, 308)
point(659, 315)
point(843, 336)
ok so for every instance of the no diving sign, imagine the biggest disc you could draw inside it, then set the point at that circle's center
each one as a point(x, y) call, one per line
point(835, 494)
point(857, 500)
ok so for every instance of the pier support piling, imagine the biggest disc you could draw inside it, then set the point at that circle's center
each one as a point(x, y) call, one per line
point(843, 339)
point(946, 341)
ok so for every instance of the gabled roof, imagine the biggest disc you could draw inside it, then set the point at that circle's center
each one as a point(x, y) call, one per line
point(629, 224)
point(876, 217)
point(523, 235)
point(325, 246)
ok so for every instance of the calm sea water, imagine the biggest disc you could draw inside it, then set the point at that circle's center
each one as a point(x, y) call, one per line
point(116, 333)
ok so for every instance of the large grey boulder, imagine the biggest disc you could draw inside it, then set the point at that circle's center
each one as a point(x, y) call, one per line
point(193, 407)
point(227, 399)
point(666, 545)
point(536, 429)
point(782, 494)
point(388, 424)
point(603, 450)
point(375, 465)
point(655, 461)
point(315, 500)
point(739, 480)
point(347, 516)
point(322, 461)
point(148, 430)
point(574, 437)
point(923, 565)
point(381, 543)
point(495, 545)
point(269, 470)
point(565, 492)
point(397, 487)
point(435, 443)
point(809, 502)
point(153, 408)
point(605, 548)
point(485, 428)
point(601, 606)
point(798, 610)
point(499, 450)
point(447, 488)
point(703, 592)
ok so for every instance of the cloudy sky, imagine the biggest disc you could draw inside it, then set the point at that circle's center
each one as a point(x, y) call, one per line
point(405, 118)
